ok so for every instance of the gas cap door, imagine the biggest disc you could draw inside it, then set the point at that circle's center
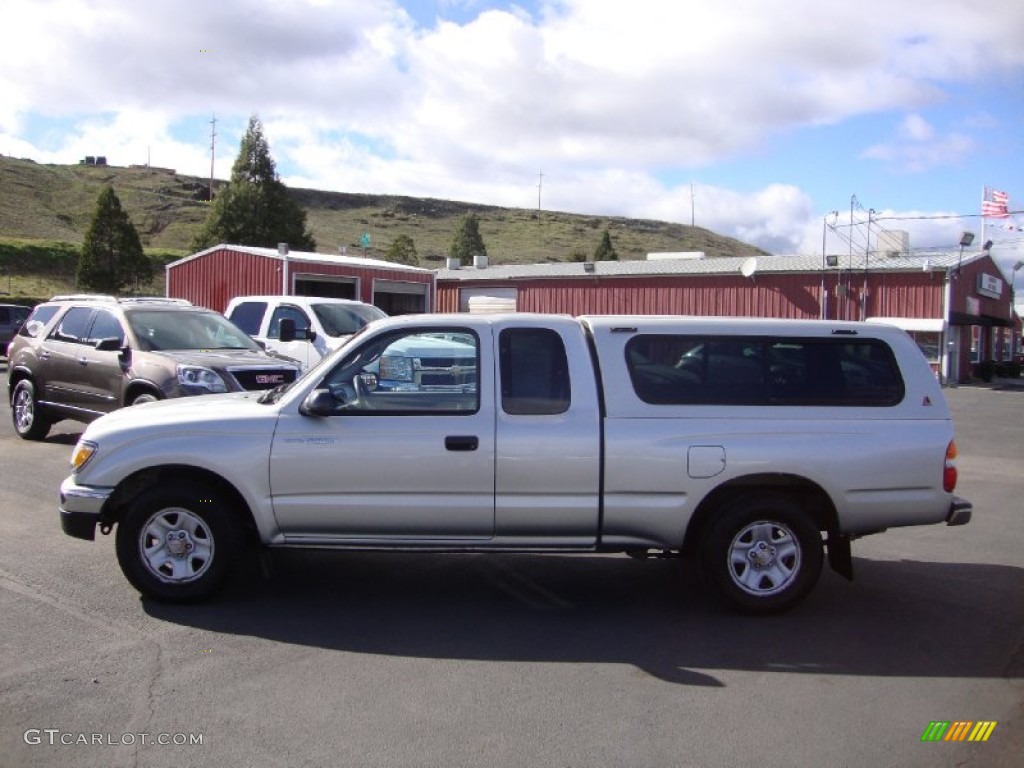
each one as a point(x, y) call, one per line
point(703, 461)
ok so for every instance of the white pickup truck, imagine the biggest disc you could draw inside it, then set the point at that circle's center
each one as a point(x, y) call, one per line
point(755, 446)
point(312, 326)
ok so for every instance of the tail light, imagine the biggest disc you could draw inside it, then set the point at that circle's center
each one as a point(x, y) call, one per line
point(949, 471)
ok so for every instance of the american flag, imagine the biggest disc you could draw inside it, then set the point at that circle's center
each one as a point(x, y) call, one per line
point(995, 204)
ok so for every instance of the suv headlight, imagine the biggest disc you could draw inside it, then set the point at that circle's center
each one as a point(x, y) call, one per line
point(396, 368)
point(193, 377)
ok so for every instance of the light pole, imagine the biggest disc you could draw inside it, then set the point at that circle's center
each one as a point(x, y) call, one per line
point(1013, 303)
point(966, 238)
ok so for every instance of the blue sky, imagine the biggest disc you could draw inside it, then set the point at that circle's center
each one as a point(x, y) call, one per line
point(757, 118)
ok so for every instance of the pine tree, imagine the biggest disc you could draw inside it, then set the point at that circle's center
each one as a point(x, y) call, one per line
point(255, 208)
point(605, 251)
point(467, 242)
point(402, 251)
point(112, 255)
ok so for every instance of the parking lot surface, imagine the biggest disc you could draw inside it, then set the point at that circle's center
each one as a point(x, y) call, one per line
point(424, 660)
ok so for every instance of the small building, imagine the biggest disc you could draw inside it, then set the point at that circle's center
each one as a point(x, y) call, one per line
point(956, 306)
point(214, 276)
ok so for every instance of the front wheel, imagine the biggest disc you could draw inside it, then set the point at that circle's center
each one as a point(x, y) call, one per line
point(764, 555)
point(30, 423)
point(177, 544)
point(144, 397)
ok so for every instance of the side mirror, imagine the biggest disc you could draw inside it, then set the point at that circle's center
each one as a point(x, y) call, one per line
point(319, 402)
point(286, 329)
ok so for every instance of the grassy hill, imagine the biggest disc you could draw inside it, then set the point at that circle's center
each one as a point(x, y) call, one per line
point(55, 203)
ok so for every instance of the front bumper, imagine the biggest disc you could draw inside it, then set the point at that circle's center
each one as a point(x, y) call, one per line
point(80, 508)
point(959, 512)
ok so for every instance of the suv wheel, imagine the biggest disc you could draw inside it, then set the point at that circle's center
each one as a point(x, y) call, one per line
point(29, 421)
point(764, 555)
point(177, 543)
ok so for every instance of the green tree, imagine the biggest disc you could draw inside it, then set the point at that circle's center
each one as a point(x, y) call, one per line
point(402, 251)
point(255, 208)
point(112, 255)
point(605, 251)
point(467, 242)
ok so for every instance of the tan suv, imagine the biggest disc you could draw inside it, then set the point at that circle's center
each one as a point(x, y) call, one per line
point(78, 357)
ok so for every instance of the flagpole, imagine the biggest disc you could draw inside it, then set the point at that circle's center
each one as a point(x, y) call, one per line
point(983, 219)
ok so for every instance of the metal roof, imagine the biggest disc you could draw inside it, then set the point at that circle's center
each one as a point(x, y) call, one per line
point(322, 258)
point(729, 265)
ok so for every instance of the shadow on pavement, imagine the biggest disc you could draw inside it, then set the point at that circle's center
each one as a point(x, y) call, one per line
point(897, 619)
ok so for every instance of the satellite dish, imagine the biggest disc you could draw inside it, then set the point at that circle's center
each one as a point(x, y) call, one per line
point(749, 267)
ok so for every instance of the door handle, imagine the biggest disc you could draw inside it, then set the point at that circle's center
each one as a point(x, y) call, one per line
point(461, 443)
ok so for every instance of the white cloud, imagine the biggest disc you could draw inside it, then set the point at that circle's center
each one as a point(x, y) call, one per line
point(604, 98)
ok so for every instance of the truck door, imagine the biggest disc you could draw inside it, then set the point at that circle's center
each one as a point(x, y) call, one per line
point(413, 461)
point(547, 482)
point(301, 348)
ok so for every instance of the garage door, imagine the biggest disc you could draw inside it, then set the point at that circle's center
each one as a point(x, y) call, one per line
point(400, 298)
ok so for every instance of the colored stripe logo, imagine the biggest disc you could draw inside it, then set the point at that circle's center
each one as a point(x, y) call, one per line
point(958, 730)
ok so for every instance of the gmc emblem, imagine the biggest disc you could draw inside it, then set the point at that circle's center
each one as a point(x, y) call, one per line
point(270, 378)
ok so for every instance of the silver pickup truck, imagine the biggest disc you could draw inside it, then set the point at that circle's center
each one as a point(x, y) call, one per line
point(757, 447)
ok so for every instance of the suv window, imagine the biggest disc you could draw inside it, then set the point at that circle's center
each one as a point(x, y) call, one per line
point(157, 330)
point(248, 315)
point(36, 321)
point(74, 326)
point(691, 370)
point(106, 326)
point(534, 372)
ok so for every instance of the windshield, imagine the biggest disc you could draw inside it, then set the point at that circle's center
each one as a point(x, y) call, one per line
point(346, 319)
point(158, 331)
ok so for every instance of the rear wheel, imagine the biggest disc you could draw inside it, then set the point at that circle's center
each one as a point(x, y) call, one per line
point(29, 420)
point(764, 555)
point(177, 544)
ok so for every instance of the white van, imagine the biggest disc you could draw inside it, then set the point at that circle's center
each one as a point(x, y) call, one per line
point(321, 324)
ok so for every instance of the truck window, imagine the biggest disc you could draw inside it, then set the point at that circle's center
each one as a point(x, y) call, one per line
point(408, 374)
point(687, 370)
point(248, 315)
point(534, 372)
point(292, 313)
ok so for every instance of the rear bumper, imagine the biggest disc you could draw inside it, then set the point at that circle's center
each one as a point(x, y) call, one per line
point(80, 508)
point(959, 512)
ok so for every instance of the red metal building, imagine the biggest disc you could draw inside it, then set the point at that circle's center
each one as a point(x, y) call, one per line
point(214, 276)
point(958, 307)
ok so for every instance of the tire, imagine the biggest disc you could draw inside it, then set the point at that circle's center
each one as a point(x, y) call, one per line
point(30, 423)
point(143, 397)
point(177, 543)
point(764, 555)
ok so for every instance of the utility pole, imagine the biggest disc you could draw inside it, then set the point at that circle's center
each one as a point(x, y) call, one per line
point(213, 144)
point(691, 205)
point(540, 183)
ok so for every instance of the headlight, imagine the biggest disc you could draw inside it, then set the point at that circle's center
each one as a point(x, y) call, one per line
point(396, 368)
point(84, 450)
point(192, 377)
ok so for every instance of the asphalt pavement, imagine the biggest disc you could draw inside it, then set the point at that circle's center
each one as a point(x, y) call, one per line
point(500, 660)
